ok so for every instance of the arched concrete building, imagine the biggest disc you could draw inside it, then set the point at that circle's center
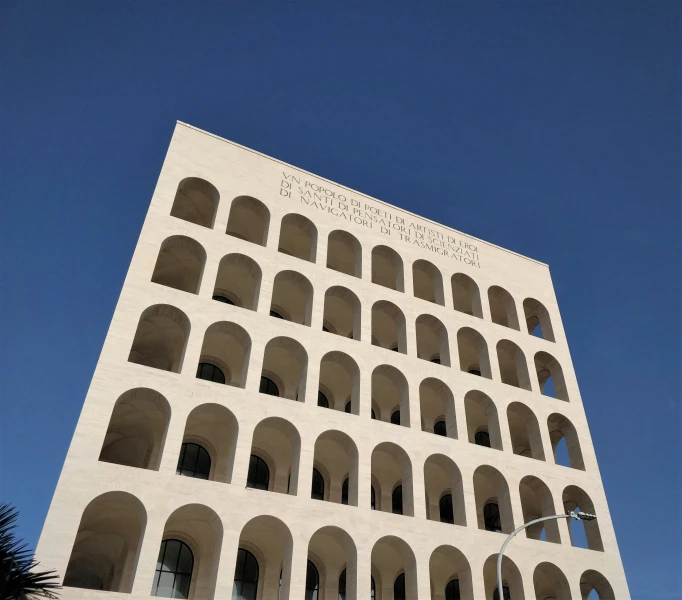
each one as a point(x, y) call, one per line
point(309, 393)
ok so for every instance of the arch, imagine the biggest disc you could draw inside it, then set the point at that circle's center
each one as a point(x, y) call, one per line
point(448, 564)
point(548, 368)
point(442, 476)
point(511, 578)
point(107, 544)
point(427, 282)
point(536, 502)
point(335, 555)
point(577, 499)
point(591, 581)
point(137, 430)
point(513, 366)
point(560, 428)
point(342, 312)
point(473, 353)
point(388, 326)
point(344, 253)
point(391, 467)
point(432, 340)
point(194, 461)
point(524, 431)
point(246, 576)
point(196, 201)
point(387, 268)
point(161, 338)
point(249, 220)
point(238, 280)
point(292, 297)
point(340, 381)
point(481, 415)
point(227, 346)
point(550, 582)
point(318, 485)
point(490, 487)
point(180, 264)
point(298, 237)
point(286, 363)
point(437, 404)
point(337, 454)
point(278, 443)
point(390, 391)
point(466, 297)
point(502, 307)
point(174, 567)
point(537, 319)
point(391, 558)
point(258, 477)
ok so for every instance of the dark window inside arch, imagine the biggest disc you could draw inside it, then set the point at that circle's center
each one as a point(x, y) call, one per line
point(274, 313)
point(439, 428)
point(322, 400)
point(223, 299)
point(395, 417)
point(505, 592)
point(397, 500)
point(325, 329)
point(245, 576)
point(399, 587)
point(452, 590)
point(491, 517)
point(395, 349)
point(482, 438)
point(342, 585)
point(374, 415)
point(436, 360)
point(348, 407)
point(317, 492)
point(447, 515)
point(268, 386)
point(259, 474)
point(312, 582)
point(173, 570)
point(373, 499)
point(474, 372)
point(210, 372)
point(344, 491)
point(194, 461)
point(374, 589)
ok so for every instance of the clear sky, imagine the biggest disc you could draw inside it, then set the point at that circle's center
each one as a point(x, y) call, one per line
point(550, 128)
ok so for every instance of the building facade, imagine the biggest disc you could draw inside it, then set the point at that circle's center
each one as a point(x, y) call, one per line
point(309, 393)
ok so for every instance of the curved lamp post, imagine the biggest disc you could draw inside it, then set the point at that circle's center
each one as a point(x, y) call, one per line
point(578, 516)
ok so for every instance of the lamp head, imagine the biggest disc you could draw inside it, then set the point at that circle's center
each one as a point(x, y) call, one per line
point(586, 516)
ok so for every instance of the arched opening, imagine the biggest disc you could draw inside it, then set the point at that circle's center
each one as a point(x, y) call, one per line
point(584, 534)
point(333, 554)
point(246, 576)
point(593, 582)
point(342, 313)
point(502, 307)
point(387, 268)
point(444, 490)
point(225, 354)
point(473, 353)
point(513, 367)
point(344, 253)
point(285, 365)
point(214, 428)
point(180, 264)
point(107, 545)
point(196, 201)
point(432, 340)
point(340, 382)
point(427, 282)
point(437, 406)
point(394, 569)
point(550, 582)
point(160, 338)
point(388, 327)
point(537, 319)
point(511, 579)
point(493, 503)
point(481, 417)
point(249, 220)
point(390, 394)
point(298, 237)
point(238, 281)
point(318, 486)
point(269, 541)
point(336, 455)
point(191, 572)
point(536, 502)
point(565, 443)
point(292, 297)
point(278, 444)
point(524, 431)
point(466, 296)
point(450, 575)
point(391, 469)
point(550, 376)
point(137, 430)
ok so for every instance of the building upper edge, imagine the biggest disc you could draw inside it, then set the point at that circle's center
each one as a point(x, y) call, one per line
point(398, 208)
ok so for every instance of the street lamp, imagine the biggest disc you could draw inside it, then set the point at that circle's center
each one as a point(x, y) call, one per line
point(578, 516)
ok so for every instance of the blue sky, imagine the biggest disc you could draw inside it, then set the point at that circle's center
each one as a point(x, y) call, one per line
point(550, 128)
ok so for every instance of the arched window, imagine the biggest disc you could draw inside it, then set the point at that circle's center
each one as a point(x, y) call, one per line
point(259, 474)
point(342, 585)
point(374, 415)
point(505, 591)
point(275, 314)
point(173, 570)
point(373, 588)
point(344, 491)
point(348, 407)
point(474, 372)
point(245, 576)
point(322, 400)
point(491, 517)
point(223, 299)
point(317, 492)
point(397, 500)
point(312, 582)
point(395, 417)
point(482, 438)
point(452, 590)
point(439, 428)
point(399, 587)
point(435, 360)
point(194, 461)
point(373, 499)
point(210, 372)
point(268, 386)
point(447, 514)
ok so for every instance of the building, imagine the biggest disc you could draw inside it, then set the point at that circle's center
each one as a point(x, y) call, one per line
point(305, 390)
